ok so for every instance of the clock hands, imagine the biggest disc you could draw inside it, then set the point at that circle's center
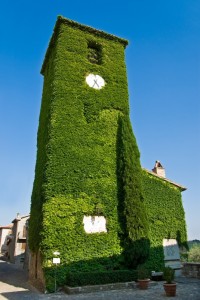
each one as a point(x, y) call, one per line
point(95, 83)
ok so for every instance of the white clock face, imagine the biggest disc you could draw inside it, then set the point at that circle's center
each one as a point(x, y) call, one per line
point(95, 81)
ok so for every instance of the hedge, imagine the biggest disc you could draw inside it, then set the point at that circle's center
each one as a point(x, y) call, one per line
point(93, 278)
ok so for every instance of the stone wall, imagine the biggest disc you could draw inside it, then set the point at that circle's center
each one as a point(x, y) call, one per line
point(191, 270)
point(36, 276)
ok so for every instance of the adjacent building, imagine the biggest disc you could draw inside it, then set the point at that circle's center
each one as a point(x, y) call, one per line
point(5, 232)
point(16, 241)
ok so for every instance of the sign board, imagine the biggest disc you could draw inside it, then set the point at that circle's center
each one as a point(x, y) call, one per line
point(94, 224)
point(171, 249)
point(56, 260)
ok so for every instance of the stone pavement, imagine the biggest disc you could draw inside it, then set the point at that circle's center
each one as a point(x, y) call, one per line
point(14, 286)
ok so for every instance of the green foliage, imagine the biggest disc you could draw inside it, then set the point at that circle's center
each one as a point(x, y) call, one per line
point(194, 253)
point(166, 217)
point(82, 28)
point(78, 273)
point(134, 225)
point(136, 252)
point(78, 152)
point(193, 243)
point(143, 273)
point(88, 164)
point(184, 256)
point(78, 126)
point(103, 277)
point(168, 274)
point(63, 229)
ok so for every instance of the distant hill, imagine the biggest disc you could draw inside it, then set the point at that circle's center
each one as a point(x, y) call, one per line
point(193, 242)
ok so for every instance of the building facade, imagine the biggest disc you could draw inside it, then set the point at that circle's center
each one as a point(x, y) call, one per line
point(5, 232)
point(91, 201)
point(17, 240)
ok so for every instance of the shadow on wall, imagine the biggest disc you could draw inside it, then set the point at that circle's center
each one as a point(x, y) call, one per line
point(105, 266)
point(98, 271)
point(95, 271)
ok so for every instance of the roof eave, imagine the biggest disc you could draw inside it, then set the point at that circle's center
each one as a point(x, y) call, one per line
point(182, 188)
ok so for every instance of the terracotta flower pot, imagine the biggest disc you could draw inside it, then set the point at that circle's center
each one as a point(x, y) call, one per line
point(143, 284)
point(170, 289)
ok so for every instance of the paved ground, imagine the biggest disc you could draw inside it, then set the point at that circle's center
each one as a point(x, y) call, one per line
point(14, 286)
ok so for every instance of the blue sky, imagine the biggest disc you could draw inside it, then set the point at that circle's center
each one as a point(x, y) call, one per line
point(163, 68)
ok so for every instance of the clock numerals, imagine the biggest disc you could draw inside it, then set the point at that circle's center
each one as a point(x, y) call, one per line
point(95, 81)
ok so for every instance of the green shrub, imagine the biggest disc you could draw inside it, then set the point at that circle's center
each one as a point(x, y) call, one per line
point(194, 254)
point(103, 277)
point(184, 256)
point(168, 274)
point(143, 273)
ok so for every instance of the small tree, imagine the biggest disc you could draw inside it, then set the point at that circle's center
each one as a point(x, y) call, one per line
point(134, 223)
point(168, 273)
point(194, 254)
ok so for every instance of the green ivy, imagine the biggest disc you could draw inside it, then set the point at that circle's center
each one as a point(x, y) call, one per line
point(88, 163)
point(133, 216)
point(79, 151)
point(166, 217)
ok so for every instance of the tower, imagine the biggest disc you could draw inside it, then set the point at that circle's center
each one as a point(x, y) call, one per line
point(83, 157)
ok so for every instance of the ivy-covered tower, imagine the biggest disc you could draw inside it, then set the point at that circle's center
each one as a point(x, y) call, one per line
point(86, 201)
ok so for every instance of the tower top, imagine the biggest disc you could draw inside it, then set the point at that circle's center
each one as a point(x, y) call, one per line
point(84, 28)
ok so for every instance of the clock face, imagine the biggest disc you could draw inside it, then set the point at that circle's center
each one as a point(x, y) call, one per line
point(95, 81)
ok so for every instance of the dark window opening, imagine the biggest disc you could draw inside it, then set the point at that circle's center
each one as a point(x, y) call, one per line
point(94, 53)
point(24, 231)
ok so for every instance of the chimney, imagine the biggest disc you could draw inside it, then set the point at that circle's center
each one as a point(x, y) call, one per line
point(18, 216)
point(159, 170)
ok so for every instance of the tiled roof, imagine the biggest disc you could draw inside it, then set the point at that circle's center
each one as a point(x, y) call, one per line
point(18, 218)
point(6, 226)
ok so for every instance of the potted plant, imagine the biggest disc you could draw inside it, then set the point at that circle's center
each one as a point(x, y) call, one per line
point(143, 278)
point(169, 285)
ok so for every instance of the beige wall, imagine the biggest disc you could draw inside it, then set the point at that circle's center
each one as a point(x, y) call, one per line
point(18, 245)
point(4, 232)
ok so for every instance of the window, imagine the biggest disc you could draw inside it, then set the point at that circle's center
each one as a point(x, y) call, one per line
point(23, 246)
point(94, 53)
point(24, 231)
